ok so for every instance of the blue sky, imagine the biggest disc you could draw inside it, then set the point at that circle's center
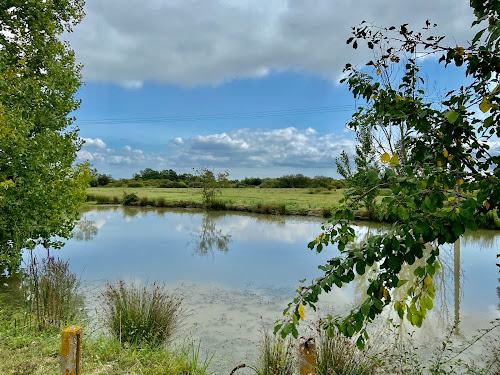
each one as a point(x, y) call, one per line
point(250, 87)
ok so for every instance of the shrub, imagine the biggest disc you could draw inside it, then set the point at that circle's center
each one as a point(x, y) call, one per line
point(115, 200)
point(216, 205)
point(160, 202)
point(52, 297)
point(135, 184)
point(99, 199)
point(141, 315)
point(273, 209)
point(130, 199)
point(144, 201)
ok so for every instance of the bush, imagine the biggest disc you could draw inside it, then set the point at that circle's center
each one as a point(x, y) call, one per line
point(130, 199)
point(141, 315)
point(272, 209)
point(160, 202)
point(144, 201)
point(52, 297)
point(135, 184)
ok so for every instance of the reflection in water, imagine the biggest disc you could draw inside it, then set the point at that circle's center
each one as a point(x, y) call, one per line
point(208, 238)
point(11, 293)
point(447, 271)
point(85, 230)
point(456, 277)
point(149, 244)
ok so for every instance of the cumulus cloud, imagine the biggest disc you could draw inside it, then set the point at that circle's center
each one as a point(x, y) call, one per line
point(191, 42)
point(94, 142)
point(288, 147)
point(259, 152)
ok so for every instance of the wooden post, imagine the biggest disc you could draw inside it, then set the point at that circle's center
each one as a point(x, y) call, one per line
point(71, 351)
point(307, 354)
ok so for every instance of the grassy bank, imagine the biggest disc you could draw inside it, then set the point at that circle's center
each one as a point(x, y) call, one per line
point(24, 351)
point(319, 202)
point(314, 202)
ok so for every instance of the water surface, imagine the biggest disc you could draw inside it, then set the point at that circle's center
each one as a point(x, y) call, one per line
point(238, 271)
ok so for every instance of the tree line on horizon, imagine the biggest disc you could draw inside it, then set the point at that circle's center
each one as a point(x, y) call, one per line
point(169, 178)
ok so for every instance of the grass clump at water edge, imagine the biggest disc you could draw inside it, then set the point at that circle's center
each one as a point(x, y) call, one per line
point(52, 294)
point(141, 315)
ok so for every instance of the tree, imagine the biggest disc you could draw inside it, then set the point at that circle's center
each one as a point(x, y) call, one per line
point(445, 183)
point(211, 185)
point(40, 186)
point(363, 182)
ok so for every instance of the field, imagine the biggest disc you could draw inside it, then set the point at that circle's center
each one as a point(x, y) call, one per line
point(283, 201)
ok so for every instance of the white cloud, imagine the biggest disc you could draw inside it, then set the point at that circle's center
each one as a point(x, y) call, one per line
point(191, 42)
point(257, 152)
point(94, 142)
point(288, 147)
point(178, 141)
point(116, 159)
point(84, 155)
point(494, 147)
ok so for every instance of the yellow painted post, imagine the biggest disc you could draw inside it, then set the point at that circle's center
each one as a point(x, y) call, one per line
point(307, 354)
point(71, 351)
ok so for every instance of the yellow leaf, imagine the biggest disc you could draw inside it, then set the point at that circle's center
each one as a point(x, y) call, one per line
point(487, 205)
point(379, 71)
point(300, 288)
point(439, 163)
point(385, 158)
point(427, 280)
point(450, 157)
point(301, 312)
point(460, 50)
point(385, 293)
point(394, 160)
point(461, 181)
point(445, 153)
point(451, 199)
point(485, 105)
point(393, 59)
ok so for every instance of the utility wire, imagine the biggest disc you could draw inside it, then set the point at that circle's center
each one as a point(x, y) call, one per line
point(221, 116)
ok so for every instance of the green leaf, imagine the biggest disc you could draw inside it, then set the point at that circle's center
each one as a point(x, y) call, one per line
point(360, 342)
point(451, 116)
point(393, 263)
point(401, 283)
point(419, 272)
point(458, 229)
point(277, 328)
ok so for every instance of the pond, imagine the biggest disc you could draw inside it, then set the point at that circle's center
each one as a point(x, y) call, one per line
point(237, 272)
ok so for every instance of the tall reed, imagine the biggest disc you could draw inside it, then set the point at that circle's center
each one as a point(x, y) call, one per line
point(52, 293)
point(340, 355)
point(276, 356)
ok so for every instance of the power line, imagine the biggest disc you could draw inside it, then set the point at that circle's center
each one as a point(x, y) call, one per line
point(221, 116)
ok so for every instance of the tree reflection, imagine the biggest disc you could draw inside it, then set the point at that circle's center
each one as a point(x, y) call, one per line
point(85, 230)
point(207, 237)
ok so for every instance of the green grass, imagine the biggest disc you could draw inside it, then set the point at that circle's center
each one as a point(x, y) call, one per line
point(26, 351)
point(276, 201)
